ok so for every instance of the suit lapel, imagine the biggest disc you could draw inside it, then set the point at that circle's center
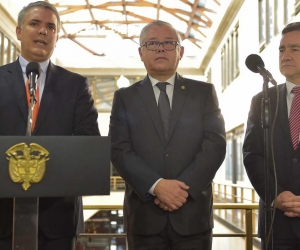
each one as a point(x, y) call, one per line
point(145, 90)
point(283, 112)
point(16, 83)
point(179, 96)
point(48, 94)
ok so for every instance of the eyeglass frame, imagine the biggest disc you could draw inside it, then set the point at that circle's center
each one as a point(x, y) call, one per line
point(161, 43)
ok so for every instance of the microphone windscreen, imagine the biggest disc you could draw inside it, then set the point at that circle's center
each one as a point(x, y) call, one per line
point(252, 61)
point(33, 67)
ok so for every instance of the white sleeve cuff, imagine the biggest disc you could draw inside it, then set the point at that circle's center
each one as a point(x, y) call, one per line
point(153, 187)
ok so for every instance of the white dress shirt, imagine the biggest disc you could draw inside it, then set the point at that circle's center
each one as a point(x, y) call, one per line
point(42, 78)
point(169, 90)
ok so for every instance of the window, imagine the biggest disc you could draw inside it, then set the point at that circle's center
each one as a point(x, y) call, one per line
point(234, 167)
point(1, 49)
point(289, 10)
point(297, 6)
point(262, 19)
point(273, 16)
point(230, 59)
point(208, 76)
point(8, 49)
point(12, 53)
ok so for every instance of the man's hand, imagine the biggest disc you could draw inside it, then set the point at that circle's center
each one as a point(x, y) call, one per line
point(289, 204)
point(170, 194)
point(162, 205)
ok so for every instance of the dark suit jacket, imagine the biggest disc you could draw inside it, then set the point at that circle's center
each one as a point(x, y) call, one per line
point(194, 151)
point(66, 109)
point(286, 159)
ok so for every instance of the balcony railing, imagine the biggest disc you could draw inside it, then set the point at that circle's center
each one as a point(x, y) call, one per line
point(236, 204)
point(116, 183)
point(234, 193)
point(222, 192)
point(247, 234)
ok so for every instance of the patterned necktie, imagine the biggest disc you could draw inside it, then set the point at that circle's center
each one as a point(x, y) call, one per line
point(36, 106)
point(164, 106)
point(294, 118)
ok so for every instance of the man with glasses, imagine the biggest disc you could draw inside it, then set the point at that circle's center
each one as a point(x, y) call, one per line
point(168, 141)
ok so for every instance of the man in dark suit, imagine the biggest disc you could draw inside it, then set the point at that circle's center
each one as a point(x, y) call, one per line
point(168, 169)
point(286, 227)
point(66, 108)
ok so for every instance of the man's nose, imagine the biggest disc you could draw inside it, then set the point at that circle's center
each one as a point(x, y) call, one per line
point(285, 55)
point(160, 47)
point(43, 31)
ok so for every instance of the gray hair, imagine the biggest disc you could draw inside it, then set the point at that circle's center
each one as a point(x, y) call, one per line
point(23, 13)
point(158, 23)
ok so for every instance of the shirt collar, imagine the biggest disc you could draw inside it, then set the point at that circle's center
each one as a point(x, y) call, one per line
point(289, 87)
point(23, 62)
point(171, 80)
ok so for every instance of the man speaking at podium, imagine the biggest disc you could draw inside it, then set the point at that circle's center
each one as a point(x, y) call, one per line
point(65, 108)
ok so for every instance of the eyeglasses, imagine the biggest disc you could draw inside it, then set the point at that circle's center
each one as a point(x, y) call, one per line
point(154, 45)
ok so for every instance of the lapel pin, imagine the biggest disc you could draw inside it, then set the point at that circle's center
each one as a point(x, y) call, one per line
point(182, 87)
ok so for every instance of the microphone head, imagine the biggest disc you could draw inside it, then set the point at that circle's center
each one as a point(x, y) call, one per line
point(252, 61)
point(33, 67)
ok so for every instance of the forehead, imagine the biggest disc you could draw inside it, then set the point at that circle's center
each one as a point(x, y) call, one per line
point(160, 32)
point(42, 14)
point(291, 37)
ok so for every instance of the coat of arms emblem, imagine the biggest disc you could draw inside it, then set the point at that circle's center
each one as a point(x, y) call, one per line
point(27, 164)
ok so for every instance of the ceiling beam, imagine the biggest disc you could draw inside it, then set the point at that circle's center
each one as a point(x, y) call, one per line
point(190, 22)
point(195, 20)
point(158, 8)
point(84, 47)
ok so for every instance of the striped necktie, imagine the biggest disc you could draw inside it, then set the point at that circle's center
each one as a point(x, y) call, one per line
point(294, 118)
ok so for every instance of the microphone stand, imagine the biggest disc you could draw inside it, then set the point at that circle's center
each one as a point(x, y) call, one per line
point(26, 209)
point(266, 125)
point(30, 112)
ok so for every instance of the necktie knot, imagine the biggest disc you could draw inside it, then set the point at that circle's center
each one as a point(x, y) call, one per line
point(296, 90)
point(162, 86)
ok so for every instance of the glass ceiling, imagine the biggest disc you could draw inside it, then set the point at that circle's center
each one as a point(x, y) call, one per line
point(100, 39)
point(101, 33)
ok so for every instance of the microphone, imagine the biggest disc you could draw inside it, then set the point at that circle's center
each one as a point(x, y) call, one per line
point(256, 65)
point(33, 71)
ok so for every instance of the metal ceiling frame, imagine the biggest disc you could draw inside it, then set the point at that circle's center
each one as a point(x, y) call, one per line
point(196, 20)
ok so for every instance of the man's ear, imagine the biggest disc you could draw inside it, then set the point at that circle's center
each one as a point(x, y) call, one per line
point(19, 32)
point(141, 53)
point(181, 51)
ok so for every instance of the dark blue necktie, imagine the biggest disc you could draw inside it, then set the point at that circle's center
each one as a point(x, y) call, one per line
point(164, 106)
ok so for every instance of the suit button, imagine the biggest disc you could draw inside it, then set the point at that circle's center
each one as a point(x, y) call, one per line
point(295, 160)
point(166, 155)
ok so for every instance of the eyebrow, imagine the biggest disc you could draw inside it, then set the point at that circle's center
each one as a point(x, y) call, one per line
point(290, 46)
point(39, 21)
point(155, 38)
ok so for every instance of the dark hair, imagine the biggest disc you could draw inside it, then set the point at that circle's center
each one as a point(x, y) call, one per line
point(158, 23)
point(291, 27)
point(23, 13)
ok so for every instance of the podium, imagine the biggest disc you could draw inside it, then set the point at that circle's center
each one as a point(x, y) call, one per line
point(74, 166)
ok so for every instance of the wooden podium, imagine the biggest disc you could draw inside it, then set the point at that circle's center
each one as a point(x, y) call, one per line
point(75, 166)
